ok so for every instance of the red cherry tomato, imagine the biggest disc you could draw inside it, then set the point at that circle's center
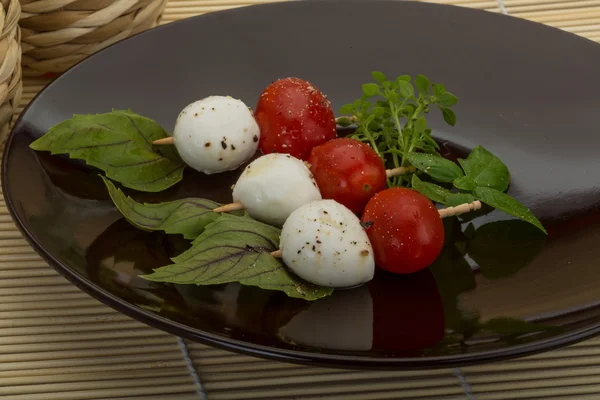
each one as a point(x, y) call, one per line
point(293, 116)
point(347, 171)
point(405, 230)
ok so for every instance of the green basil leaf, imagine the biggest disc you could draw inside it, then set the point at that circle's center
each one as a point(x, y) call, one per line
point(120, 144)
point(378, 76)
point(422, 84)
point(509, 205)
point(449, 116)
point(370, 89)
point(347, 109)
point(438, 168)
point(438, 89)
point(502, 248)
point(403, 78)
point(187, 217)
point(430, 190)
point(513, 326)
point(447, 99)
point(236, 249)
point(406, 89)
point(485, 169)
point(465, 183)
point(378, 111)
point(344, 122)
point(420, 125)
point(456, 199)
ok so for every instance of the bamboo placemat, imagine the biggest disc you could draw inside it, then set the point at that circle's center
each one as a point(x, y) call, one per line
point(57, 343)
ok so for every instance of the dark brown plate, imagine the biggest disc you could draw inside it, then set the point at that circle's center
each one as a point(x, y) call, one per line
point(526, 92)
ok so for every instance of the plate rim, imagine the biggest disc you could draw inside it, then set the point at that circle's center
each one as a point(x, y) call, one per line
point(304, 357)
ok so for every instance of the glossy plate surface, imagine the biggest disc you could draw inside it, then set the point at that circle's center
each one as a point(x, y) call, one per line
point(526, 92)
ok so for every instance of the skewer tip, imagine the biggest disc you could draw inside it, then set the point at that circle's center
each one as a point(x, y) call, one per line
point(229, 207)
point(277, 253)
point(164, 141)
point(460, 209)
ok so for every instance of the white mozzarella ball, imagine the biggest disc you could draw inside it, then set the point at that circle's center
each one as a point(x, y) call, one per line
point(271, 187)
point(216, 134)
point(324, 243)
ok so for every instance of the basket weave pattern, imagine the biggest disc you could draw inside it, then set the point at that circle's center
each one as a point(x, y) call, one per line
point(56, 34)
point(10, 64)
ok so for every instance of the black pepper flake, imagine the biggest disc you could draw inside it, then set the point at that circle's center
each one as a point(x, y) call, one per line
point(255, 138)
point(207, 144)
point(213, 109)
point(223, 144)
point(232, 147)
point(325, 212)
point(366, 224)
point(307, 242)
point(318, 241)
point(354, 242)
point(196, 114)
point(220, 159)
point(314, 247)
point(319, 252)
point(299, 251)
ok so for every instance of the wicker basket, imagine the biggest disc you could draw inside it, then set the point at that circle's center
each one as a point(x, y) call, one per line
point(56, 34)
point(10, 64)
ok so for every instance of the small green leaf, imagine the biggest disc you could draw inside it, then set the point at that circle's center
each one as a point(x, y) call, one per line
point(438, 168)
point(513, 326)
point(409, 109)
point(347, 109)
point(403, 78)
point(420, 125)
point(438, 89)
point(422, 83)
point(509, 205)
point(456, 199)
point(503, 248)
point(378, 111)
point(485, 169)
point(120, 144)
point(236, 249)
point(430, 141)
point(378, 76)
point(370, 89)
point(465, 183)
point(406, 89)
point(449, 116)
point(430, 190)
point(187, 217)
point(344, 122)
point(447, 99)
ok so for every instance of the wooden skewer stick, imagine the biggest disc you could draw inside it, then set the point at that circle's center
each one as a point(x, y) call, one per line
point(277, 253)
point(164, 141)
point(444, 213)
point(399, 171)
point(230, 207)
point(460, 209)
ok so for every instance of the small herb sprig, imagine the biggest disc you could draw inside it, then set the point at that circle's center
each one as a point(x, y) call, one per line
point(390, 116)
point(394, 124)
